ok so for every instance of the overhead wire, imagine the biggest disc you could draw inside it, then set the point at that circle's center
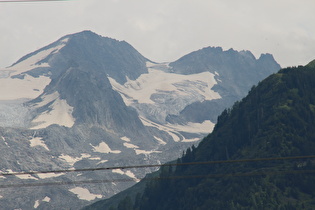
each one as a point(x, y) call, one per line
point(257, 173)
point(261, 173)
point(155, 165)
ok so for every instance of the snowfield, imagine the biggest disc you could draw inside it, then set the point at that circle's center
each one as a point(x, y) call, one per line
point(59, 112)
point(38, 141)
point(174, 129)
point(12, 88)
point(104, 148)
point(27, 88)
point(35, 61)
point(84, 194)
point(159, 93)
point(72, 160)
point(157, 81)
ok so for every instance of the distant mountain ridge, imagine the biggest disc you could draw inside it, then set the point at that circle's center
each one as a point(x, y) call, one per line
point(87, 101)
point(242, 66)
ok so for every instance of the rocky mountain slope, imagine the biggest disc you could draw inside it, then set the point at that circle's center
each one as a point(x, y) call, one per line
point(87, 101)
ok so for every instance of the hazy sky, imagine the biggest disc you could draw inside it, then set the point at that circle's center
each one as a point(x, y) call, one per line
point(165, 30)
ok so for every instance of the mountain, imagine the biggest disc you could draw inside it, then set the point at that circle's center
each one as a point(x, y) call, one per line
point(87, 101)
point(241, 69)
point(260, 155)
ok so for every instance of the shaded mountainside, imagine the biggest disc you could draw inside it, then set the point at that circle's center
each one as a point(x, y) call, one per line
point(242, 66)
point(79, 73)
point(91, 52)
point(276, 120)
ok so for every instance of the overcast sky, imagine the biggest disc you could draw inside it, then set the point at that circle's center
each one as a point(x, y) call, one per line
point(165, 30)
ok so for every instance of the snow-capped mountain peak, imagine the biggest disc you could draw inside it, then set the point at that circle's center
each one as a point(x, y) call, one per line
point(38, 59)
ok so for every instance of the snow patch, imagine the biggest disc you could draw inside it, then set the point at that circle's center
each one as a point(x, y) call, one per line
point(156, 81)
point(174, 129)
point(139, 151)
point(6, 143)
point(37, 141)
point(175, 135)
point(102, 161)
point(26, 176)
point(191, 140)
point(59, 112)
point(160, 140)
point(118, 171)
point(127, 173)
point(85, 155)
point(204, 127)
point(125, 138)
point(104, 148)
point(36, 205)
point(132, 146)
point(65, 40)
point(34, 61)
point(49, 175)
point(84, 194)
point(72, 160)
point(29, 87)
point(37, 202)
point(46, 199)
point(95, 158)
point(131, 175)
point(23, 176)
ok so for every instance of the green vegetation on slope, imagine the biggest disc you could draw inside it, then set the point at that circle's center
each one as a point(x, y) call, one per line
point(276, 119)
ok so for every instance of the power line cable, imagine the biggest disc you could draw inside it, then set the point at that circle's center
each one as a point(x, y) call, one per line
point(256, 173)
point(261, 173)
point(155, 165)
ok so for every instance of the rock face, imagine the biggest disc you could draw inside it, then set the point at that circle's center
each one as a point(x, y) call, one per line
point(235, 73)
point(87, 101)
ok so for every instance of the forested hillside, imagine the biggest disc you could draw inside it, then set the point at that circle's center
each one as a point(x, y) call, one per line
point(259, 156)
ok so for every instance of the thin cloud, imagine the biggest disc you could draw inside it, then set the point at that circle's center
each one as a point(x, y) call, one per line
point(166, 30)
